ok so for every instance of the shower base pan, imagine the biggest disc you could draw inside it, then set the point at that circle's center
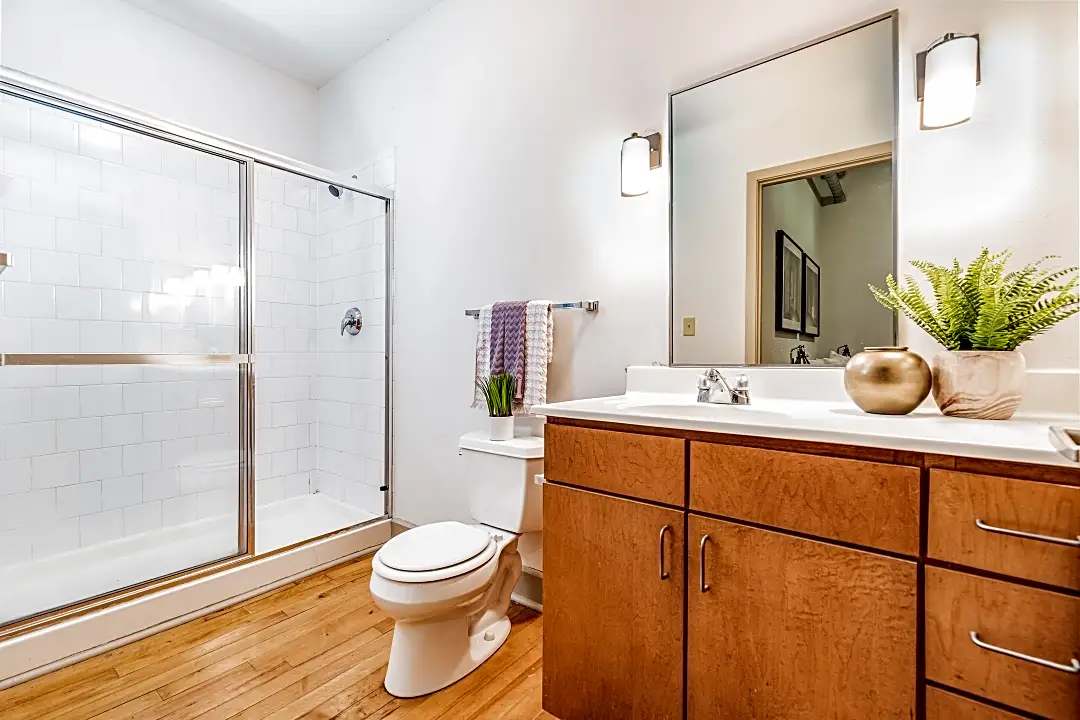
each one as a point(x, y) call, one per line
point(58, 580)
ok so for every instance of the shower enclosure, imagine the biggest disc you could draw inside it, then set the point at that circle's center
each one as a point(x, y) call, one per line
point(179, 393)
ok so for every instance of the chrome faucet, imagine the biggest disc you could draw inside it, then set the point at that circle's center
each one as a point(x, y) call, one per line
point(714, 388)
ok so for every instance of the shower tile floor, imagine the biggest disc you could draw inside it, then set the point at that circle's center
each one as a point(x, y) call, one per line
point(58, 580)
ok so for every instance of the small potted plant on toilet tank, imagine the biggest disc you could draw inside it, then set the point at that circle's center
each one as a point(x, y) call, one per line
point(498, 392)
point(981, 314)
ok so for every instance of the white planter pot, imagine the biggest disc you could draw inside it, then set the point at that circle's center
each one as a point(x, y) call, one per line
point(980, 384)
point(502, 428)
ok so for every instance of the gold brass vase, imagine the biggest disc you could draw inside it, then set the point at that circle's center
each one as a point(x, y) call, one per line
point(887, 380)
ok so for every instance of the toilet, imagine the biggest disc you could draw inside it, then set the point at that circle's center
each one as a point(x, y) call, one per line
point(447, 585)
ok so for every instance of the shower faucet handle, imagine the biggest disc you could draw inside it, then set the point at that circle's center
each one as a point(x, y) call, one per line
point(352, 322)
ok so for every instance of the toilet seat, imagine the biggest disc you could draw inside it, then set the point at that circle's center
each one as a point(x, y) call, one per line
point(438, 551)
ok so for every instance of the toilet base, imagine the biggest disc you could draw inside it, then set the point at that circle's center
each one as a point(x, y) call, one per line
point(428, 656)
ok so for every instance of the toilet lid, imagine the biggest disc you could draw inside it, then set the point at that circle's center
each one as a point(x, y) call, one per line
point(434, 547)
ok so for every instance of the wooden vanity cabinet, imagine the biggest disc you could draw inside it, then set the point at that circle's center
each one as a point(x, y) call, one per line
point(785, 627)
point(614, 584)
point(802, 581)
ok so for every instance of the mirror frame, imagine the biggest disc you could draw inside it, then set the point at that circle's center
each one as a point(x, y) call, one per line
point(753, 264)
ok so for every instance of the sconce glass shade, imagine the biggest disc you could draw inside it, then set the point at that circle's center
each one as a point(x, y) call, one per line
point(951, 77)
point(635, 166)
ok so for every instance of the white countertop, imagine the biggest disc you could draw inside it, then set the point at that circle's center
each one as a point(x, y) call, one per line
point(1022, 439)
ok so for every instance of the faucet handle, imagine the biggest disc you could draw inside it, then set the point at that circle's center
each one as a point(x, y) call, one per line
point(710, 376)
point(742, 382)
point(352, 322)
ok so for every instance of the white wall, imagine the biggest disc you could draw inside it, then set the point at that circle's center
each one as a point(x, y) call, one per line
point(793, 208)
point(855, 250)
point(507, 117)
point(112, 50)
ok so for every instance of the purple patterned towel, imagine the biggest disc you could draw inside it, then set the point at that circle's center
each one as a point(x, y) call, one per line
point(508, 342)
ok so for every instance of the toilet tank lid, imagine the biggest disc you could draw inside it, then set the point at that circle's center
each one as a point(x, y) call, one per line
point(526, 447)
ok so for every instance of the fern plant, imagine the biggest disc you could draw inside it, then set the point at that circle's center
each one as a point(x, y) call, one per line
point(983, 307)
point(498, 392)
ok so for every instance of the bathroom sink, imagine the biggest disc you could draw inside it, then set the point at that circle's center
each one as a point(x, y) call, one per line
point(705, 411)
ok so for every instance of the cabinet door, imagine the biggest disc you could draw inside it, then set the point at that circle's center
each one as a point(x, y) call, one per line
point(781, 627)
point(613, 607)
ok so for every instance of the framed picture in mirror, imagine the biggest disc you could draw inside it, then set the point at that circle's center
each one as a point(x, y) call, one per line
point(811, 282)
point(789, 283)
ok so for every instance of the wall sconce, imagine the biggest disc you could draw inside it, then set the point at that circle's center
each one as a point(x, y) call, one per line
point(639, 156)
point(946, 75)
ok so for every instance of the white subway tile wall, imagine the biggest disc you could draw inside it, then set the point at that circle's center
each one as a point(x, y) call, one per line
point(320, 397)
point(106, 459)
point(350, 386)
point(121, 243)
point(285, 422)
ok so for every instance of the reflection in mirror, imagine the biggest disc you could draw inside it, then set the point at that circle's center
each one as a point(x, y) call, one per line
point(783, 205)
point(823, 238)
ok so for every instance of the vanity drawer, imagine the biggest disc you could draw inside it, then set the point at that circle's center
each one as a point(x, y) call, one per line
point(942, 705)
point(646, 467)
point(1035, 622)
point(960, 500)
point(865, 503)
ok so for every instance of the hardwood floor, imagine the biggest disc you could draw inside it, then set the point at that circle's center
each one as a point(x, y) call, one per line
point(316, 648)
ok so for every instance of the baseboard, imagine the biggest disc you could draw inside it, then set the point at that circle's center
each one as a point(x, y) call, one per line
point(28, 656)
point(399, 526)
point(529, 592)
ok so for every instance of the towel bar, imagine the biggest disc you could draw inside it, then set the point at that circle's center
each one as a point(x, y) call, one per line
point(586, 305)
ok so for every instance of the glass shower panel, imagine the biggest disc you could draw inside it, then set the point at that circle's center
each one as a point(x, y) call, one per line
point(121, 450)
point(320, 390)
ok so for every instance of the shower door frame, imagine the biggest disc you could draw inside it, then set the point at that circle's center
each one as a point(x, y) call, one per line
point(18, 84)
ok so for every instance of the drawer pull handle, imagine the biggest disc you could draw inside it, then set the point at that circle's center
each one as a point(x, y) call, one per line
point(1026, 535)
point(1073, 669)
point(663, 572)
point(701, 567)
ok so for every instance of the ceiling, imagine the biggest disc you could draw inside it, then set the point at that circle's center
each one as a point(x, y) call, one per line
point(310, 40)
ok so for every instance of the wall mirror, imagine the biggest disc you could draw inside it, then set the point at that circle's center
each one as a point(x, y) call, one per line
point(783, 204)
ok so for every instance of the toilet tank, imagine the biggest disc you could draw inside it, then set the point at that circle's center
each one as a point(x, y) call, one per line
point(499, 479)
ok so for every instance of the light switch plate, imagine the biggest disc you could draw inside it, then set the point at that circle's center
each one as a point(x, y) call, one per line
point(689, 326)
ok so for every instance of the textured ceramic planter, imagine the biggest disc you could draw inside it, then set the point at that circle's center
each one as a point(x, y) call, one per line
point(980, 384)
point(887, 380)
point(502, 428)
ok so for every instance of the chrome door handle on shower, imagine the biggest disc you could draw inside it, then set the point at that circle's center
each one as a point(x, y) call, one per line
point(353, 321)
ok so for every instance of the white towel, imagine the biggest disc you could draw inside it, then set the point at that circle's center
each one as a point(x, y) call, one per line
point(483, 354)
point(539, 347)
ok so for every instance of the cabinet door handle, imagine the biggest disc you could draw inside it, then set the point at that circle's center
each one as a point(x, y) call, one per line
point(1072, 669)
point(1027, 536)
point(663, 572)
point(701, 564)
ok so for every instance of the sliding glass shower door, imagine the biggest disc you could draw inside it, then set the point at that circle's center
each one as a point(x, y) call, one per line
point(124, 369)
